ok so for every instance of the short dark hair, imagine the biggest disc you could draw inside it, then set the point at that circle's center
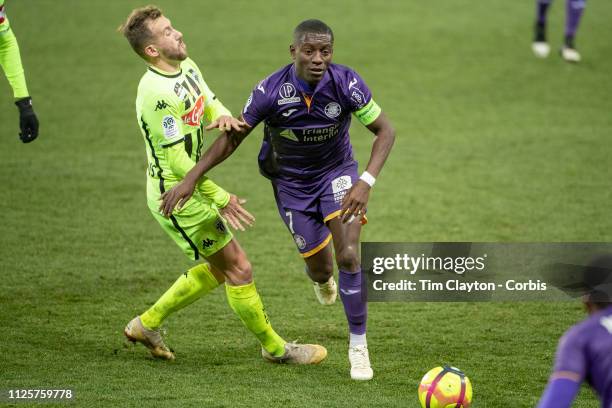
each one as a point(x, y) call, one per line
point(135, 28)
point(312, 26)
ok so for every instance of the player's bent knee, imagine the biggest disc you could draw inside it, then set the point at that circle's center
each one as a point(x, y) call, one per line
point(348, 259)
point(240, 273)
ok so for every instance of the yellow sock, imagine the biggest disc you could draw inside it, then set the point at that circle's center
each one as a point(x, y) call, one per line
point(246, 303)
point(188, 288)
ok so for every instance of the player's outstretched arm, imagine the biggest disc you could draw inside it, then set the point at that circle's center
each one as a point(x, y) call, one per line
point(227, 124)
point(10, 60)
point(356, 200)
point(560, 392)
point(220, 150)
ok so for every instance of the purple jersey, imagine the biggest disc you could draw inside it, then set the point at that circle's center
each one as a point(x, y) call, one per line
point(586, 349)
point(306, 132)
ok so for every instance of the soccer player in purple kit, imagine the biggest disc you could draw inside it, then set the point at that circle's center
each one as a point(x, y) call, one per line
point(573, 13)
point(307, 155)
point(585, 350)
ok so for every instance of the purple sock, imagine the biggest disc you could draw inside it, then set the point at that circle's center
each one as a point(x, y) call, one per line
point(355, 308)
point(542, 10)
point(573, 11)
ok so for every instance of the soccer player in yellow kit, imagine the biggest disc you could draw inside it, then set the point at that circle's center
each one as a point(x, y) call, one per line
point(10, 60)
point(172, 105)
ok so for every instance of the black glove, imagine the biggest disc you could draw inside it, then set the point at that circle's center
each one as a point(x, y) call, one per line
point(28, 123)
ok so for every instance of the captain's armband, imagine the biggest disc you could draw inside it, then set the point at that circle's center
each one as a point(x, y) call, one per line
point(369, 113)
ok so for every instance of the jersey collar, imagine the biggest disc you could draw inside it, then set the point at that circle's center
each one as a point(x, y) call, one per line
point(164, 73)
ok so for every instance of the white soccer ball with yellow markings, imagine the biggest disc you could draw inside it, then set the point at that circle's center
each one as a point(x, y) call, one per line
point(445, 387)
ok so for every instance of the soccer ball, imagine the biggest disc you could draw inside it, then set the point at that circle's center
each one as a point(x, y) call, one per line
point(445, 387)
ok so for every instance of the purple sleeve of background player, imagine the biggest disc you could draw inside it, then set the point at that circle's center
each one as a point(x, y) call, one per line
point(357, 91)
point(568, 373)
point(570, 353)
point(257, 107)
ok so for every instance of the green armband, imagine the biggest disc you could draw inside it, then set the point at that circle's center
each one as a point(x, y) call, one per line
point(216, 194)
point(368, 113)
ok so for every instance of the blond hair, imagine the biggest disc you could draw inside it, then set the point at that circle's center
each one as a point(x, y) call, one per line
point(135, 28)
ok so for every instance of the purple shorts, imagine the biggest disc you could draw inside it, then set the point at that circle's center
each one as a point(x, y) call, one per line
point(306, 209)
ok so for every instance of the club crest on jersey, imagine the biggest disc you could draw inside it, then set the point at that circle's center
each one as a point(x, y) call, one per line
point(299, 241)
point(332, 110)
point(287, 93)
point(194, 116)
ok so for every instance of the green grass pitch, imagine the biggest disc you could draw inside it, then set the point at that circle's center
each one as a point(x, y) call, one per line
point(492, 145)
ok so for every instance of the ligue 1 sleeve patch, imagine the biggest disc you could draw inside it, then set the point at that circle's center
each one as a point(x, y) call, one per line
point(368, 113)
point(170, 127)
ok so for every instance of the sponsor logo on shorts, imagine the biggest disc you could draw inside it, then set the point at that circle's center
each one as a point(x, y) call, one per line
point(287, 93)
point(299, 241)
point(340, 186)
point(170, 126)
point(332, 110)
point(207, 243)
point(220, 226)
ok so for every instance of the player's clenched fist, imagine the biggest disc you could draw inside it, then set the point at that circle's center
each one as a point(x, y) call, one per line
point(355, 202)
point(28, 123)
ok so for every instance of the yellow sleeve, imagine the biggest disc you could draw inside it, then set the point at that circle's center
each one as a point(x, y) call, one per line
point(10, 60)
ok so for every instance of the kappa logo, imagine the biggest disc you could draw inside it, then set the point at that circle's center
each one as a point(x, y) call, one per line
point(161, 105)
point(287, 93)
point(350, 291)
point(352, 83)
point(289, 112)
point(220, 226)
point(207, 243)
point(332, 110)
